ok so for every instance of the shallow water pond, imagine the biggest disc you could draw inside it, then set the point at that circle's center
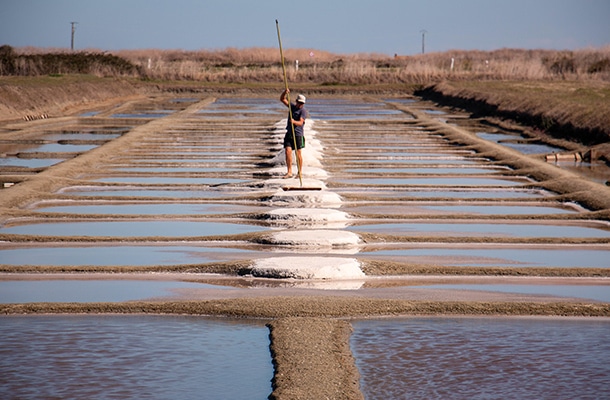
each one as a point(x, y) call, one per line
point(513, 142)
point(421, 192)
point(501, 257)
point(130, 191)
point(438, 161)
point(479, 209)
point(132, 228)
point(483, 358)
point(61, 148)
point(151, 209)
point(90, 291)
point(81, 136)
point(435, 181)
point(168, 180)
point(157, 114)
point(425, 170)
point(133, 357)
point(494, 229)
point(588, 292)
point(117, 255)
point(597, 171)
point(166, 170)
point(29, 162)
point(506, 209)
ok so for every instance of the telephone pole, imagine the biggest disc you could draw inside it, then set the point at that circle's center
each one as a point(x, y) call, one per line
point(423, 40)
point(73, 30)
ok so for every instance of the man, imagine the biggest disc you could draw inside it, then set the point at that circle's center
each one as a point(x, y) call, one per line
point(297, 115)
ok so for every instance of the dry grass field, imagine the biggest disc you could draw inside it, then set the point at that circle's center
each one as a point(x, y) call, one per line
point(561, 93)
point(314, 66)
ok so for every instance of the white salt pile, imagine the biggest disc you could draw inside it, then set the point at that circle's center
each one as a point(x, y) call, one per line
point(307, 268)
point(307, 208)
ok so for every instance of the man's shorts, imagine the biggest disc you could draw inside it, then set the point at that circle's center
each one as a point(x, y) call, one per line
point(288, 142)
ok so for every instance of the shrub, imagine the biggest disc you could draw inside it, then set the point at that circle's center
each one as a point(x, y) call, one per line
point(7, 60)
point(599, 66)
point(101, 64)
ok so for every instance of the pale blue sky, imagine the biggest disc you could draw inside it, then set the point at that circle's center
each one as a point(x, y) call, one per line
point(338, 26)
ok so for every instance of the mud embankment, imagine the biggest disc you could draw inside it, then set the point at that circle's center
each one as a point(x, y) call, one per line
point(59, 96)
point(594, 138)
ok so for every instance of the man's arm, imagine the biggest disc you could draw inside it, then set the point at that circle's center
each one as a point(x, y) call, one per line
point(284, 97)
point(299, 122)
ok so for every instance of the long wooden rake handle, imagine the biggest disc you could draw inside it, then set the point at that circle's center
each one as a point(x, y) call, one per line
point(294, 139)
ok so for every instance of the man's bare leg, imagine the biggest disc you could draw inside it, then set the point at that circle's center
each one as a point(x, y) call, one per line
point(288, 151)
point(300, 162)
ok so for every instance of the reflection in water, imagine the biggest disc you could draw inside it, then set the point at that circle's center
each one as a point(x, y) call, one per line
point(133, 357)
point(482, 358)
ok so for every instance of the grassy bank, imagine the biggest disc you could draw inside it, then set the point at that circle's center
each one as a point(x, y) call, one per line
point(574, 110)
point(319, 67)
point(58, 95)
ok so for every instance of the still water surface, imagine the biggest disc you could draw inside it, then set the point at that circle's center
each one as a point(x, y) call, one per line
point(91, 291)
point(132, 228)
point(115, 254)
point(483, 358)
point(133, 357)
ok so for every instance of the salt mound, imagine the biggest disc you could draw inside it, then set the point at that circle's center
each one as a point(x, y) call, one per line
point(308, 197)
point(307, 215)
point(307, 268)
point(311, 157)
point(277, 183)
point(315, 238)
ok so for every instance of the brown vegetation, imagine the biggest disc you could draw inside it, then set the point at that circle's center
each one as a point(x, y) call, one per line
point(314, 66)
point(562, 93)
point(263, 64)
point(54, 63)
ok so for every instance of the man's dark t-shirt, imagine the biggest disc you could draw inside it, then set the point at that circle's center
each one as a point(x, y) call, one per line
point(297, 113)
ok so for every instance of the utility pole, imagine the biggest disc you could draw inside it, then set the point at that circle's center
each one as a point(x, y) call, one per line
point(73, 30)
point(423, 40)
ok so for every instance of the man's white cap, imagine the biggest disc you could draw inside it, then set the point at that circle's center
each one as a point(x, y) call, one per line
point(301, 99)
